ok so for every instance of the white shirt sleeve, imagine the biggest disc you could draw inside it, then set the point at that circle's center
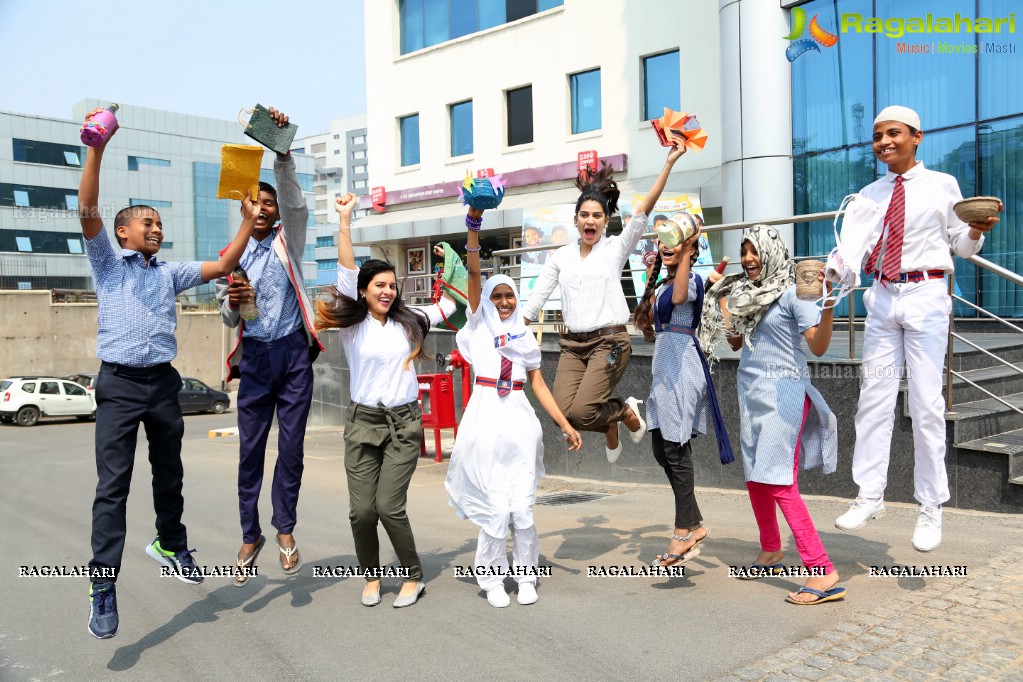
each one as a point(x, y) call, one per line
point(630, 236)
point(433, 312)
point(545, 283)
point(348, 282)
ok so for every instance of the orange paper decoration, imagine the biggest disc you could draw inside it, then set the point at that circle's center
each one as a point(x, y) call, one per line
point(684, 126)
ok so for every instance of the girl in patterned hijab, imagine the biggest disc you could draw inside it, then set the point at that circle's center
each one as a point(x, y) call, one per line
point(749, 293)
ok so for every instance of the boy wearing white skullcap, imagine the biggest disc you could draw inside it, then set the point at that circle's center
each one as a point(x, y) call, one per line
point(908, 310)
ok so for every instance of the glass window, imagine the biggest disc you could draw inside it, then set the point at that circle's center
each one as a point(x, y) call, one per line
point(998, 68)
point(74, 245)
point(491, 13)
point(21, 198)
point(47, 153)
point(941, 89)
point(519, 9)
point(411, 13)
point(29, 387)
point(360, 154)
point(24, 244)
point(135, 161)
point(72, 201)
point(461, 128)
point(155, 203)
point(461, 18)
point(337, 136)
point(1001, 175)
point(49, 388)
point(543, 5)
point(409, 129)
point(318, 148)
point(359, 139)
point(846, 115)
point(520, 115)
point(430, 22)
point(585, 101)
point(661, 84)
point(166, 245)
point(72, 389)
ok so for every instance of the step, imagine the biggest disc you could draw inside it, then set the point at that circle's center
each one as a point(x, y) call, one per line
point(999, 379)
point(1008, 443)
point(1017, 481)
point(1007, 346)
point(985, 418)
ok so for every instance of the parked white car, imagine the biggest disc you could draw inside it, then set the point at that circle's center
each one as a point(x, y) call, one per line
point(23, 400)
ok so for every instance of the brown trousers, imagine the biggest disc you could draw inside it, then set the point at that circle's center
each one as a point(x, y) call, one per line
point(585, 380)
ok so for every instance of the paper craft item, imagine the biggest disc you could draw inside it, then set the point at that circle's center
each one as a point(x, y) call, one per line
point(455, 284)
point(263, 130)
point(239, 171)
point(482, 193)
point(677, 126)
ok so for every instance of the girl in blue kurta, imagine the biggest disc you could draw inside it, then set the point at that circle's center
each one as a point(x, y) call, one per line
point(783, 417)
point(682, 395)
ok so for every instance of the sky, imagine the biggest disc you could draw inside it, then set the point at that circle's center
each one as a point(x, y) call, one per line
point(206, 59)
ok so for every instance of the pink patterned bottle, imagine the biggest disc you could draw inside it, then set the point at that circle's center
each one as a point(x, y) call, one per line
point(99, 126)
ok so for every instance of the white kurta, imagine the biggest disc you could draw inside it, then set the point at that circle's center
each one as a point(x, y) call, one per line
point(498, 455)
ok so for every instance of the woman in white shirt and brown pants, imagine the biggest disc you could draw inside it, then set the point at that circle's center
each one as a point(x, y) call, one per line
point(383, 425)
point(596, 348)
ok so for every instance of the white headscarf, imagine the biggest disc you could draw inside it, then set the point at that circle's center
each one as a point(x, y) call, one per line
point(512, 338)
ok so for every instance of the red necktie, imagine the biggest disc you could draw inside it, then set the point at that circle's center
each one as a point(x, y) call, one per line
point(504, 381)
point(895, 223)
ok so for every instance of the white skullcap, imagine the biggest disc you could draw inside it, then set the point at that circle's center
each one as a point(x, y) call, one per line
point(900, 114)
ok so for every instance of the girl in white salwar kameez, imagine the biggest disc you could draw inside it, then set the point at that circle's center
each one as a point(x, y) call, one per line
point(498, 456)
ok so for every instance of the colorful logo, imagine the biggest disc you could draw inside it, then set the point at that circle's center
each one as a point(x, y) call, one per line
point(801, 46)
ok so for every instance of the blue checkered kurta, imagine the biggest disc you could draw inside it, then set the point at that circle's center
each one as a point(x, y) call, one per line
point(773, 383)
point(678, 404)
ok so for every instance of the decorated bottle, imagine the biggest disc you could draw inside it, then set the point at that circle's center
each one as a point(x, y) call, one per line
point(248, 309)
point(98, 127)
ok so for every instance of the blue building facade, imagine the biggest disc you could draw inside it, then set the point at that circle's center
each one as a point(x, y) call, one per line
point(966, 86)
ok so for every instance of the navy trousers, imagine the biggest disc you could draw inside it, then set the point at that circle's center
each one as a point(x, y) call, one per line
point(275, 376)
point(125, 398)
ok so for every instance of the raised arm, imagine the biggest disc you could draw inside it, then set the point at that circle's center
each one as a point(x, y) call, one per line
point(818, 338)
point(680, 292)
point(290, 200)
point(543, 395)
point(88, 188)
point(472, 258)
point(233, 253)
point(654, 194)
point(345, 251)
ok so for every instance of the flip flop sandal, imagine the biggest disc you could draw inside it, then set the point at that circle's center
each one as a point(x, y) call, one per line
point(677, 559)
point(243, 567)
point(287, 553)
point(834, 594)
point(757, 571)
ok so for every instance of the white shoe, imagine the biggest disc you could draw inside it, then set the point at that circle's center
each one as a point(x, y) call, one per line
point(527, 594)
point(637, 435)
point(498, 598)
point(862, 510)
point(613, 455)
point(927, 535)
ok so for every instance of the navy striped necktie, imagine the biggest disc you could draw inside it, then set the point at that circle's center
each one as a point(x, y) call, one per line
point(504, 381)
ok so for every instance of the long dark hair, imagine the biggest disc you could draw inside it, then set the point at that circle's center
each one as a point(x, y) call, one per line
point(599, 187)
point(643, 316)
point(342, 312)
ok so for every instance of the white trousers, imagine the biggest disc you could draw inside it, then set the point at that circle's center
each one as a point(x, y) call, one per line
point(906, 328)
point(492, 554)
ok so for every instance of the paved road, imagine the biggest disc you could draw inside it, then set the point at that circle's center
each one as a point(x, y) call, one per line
point(705, 625)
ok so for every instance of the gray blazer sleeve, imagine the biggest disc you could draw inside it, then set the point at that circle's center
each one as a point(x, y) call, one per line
point(291, 203)
point(229, 315)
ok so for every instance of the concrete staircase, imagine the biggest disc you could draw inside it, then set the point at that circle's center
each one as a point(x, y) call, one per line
point(985, 437)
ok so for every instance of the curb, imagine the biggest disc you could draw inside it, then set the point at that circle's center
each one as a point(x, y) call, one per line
point(219, 433)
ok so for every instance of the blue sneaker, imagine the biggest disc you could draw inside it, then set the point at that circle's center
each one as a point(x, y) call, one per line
point(180, 563)
point(103, 610)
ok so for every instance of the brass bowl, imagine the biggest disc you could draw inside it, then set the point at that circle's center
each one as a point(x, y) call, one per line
point(977, 209)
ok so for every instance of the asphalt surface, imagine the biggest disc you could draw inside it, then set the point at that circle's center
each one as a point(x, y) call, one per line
point(705, 625)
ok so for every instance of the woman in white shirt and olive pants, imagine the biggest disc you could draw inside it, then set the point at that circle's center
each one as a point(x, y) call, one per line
point(383, 425)
point(596, 348)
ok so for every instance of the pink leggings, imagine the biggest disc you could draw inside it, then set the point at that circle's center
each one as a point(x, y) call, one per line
point(763, 496)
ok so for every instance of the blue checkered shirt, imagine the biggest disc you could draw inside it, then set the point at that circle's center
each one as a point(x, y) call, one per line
point(137, 317)
point(279, 312)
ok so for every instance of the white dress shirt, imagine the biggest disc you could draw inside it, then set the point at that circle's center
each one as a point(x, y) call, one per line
point(591, 287)
point(932, 227)
point(377, 352)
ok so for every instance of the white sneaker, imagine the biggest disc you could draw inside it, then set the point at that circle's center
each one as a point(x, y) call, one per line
point(927, 535)
point(637, 435)
point(498, 598)
point(863, 509)
point(527, 594)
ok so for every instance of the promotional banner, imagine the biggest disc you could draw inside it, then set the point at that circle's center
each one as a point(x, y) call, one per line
point(544, 226)
point(663, 210)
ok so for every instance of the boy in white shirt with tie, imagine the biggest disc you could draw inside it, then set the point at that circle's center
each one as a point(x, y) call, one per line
point(908, 310)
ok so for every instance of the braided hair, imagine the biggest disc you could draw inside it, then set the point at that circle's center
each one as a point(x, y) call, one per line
point(599, 187)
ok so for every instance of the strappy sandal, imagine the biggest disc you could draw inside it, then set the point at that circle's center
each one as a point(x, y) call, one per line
point(285, 556)
point(243, 567)
point(677, 559)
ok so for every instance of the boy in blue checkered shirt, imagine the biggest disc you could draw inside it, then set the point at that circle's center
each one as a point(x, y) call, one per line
point(136, 383)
